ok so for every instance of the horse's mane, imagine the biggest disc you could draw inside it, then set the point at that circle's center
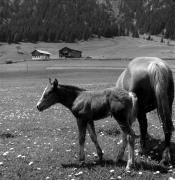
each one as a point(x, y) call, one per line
point(71, 87)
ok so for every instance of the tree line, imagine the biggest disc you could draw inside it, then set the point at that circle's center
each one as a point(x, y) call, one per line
point(56, 20)
point(152, 17)
point(74, 20)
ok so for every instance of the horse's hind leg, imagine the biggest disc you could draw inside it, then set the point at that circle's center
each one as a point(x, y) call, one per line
point(166, 158)
point(91, 129)
point(82, 134)
point(166, 153)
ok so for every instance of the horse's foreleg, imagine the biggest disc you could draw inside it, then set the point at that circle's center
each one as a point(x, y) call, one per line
point(143, 129)
point(82, 134)
point(91, 129)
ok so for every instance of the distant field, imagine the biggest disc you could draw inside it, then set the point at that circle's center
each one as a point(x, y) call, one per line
point(118, 47)
point(44, 146)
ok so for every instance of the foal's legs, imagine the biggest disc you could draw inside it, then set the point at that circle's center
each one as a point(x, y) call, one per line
point(128, 137)
point(131, 141)
point(82, 134)
point(91, 129)
point(122, 149)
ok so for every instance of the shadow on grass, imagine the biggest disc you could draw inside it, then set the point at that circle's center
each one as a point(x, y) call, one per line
point(109, 130)
point(6, 135)
point(155, 149)
point(90, 165)
point(108, 163)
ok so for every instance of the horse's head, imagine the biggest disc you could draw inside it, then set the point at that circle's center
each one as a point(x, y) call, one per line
point(49, 96)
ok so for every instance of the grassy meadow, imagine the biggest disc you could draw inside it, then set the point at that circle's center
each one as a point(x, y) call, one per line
point(40, 146)
point(44, 146)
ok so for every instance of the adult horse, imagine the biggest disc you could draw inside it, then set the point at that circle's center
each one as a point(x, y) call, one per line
point(151, 79)
point(88, 106)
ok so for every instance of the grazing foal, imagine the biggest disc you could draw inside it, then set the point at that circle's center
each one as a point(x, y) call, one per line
point(88, 106)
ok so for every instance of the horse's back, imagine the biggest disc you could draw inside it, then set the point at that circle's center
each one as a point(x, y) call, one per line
point(136, 78)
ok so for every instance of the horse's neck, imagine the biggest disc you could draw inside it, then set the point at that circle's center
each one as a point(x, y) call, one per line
point(67, 96)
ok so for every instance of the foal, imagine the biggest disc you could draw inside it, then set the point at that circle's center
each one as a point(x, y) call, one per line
point(88, 106)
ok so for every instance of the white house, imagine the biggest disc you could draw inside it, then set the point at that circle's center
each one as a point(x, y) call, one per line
point(40, 55)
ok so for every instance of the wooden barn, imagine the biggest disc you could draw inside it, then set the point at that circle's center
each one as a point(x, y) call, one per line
point(69, 53)
point(40, 55)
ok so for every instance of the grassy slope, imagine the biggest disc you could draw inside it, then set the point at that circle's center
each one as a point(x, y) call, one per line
point(119, 47)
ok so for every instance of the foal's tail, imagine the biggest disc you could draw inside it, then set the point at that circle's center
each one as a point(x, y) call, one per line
point(161, 80)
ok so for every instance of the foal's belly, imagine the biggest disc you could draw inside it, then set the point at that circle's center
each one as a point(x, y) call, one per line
point(100, 113)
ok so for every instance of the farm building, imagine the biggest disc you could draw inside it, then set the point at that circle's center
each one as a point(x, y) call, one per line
point(40, 55)
point(69, 53)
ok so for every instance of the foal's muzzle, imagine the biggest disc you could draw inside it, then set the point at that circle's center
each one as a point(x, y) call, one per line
point(39, 108)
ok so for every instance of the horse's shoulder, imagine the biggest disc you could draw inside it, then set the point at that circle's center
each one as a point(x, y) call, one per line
point(80, 103)
point(83, 97)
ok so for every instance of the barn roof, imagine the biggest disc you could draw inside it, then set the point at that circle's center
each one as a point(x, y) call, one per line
point(41, 51)
point(69, 49)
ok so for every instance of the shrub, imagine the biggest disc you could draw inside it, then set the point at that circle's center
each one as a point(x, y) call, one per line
point(9, 62)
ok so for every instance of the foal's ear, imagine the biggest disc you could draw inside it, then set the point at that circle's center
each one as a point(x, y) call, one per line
point(55, 83)
point(50, 81)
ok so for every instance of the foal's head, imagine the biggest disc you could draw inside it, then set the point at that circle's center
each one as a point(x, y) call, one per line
point(49, 96)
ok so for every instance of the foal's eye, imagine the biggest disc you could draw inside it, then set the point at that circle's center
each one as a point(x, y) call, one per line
point(47, 94)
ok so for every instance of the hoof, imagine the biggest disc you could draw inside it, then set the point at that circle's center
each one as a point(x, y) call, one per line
point(120, 156)
point(164, 163)
point(166, 158)
point(81, 163)
point(142, 151)
point(101, 158)
point(129, 167)
point(100, 155)
point(119, 160)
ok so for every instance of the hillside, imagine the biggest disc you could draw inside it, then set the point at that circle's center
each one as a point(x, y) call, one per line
point(149, 16)
point(75, 20)
point(104, 48)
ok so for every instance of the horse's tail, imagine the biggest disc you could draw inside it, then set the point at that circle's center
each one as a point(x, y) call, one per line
point(159, 74)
